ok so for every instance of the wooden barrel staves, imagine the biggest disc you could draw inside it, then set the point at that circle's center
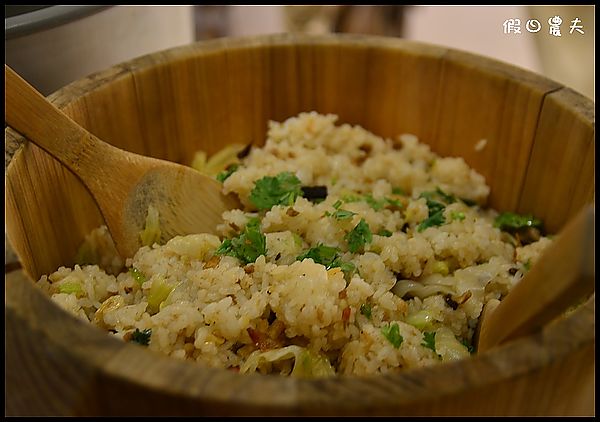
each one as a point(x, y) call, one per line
point(539, 158)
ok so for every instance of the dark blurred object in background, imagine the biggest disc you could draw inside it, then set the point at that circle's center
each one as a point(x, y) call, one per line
point(222, 21)
point(377, 20)
point(211, 22)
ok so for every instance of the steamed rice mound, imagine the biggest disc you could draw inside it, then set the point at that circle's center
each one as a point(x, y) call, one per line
point(409, 295)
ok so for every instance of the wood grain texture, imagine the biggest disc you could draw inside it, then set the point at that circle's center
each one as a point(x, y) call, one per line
point(122, 183)
point(560, 172)
point(207, 95)
point(46, 203)
point(502, 104)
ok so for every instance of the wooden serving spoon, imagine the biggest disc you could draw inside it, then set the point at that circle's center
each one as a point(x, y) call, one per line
point(563, 276)
point(122, 183)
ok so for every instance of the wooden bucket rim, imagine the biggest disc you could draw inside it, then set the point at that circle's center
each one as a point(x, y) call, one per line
point(507, 361)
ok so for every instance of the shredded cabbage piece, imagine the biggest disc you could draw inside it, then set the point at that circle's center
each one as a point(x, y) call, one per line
point(448, 347)
point(151, 233)
point(217, 162)
point(420, 289)
point(306, 363)
point(423, 319)
point(159, 292)
point(71, 287)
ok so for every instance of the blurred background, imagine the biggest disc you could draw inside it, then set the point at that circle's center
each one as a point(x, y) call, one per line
point(54, 45)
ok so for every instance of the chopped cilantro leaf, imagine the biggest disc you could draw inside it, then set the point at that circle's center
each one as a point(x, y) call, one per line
point(282, 189)
point(469, 346)
point(384, 232)
point(347, 267)
point(358, 236)
point(436, 203)
point(324, 255)
point(248, 246)
point(376, 204)
point(448, 198)
point(141, 337)
point(434, 220)
point(253, 223)
point(343, 214)
point(398, 191)
point(327, 256)
point(350, 198)
point(366, 310)
point(429, 340)
point(392, 333)
point(393, 202)
point(439, 197)
point(232, 168)
point(511, 222)
point(337, 204)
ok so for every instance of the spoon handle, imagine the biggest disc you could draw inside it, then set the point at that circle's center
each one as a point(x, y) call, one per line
point(32, 115)
point(562, 276)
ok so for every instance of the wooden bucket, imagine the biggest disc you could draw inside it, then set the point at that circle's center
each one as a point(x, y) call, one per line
point(539, 158)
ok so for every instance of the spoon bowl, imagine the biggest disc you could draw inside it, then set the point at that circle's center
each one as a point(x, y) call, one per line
point(122, 183)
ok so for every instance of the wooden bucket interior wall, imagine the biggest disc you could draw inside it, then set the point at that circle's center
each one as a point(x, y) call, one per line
point(540, 136)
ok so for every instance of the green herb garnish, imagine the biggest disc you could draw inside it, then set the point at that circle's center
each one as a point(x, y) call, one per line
point(328, 256)
point(398, 191)
point(511, 222)
point(468, 345)
point(343, 214)
point(393, 202)
point(282, 189)
point(384, 233)
point(366, 310)
point(434, 220)
point(324, 255)
point(438, 196)
point(248, 246)
point(429, 340)
point(337, 204)
point(137, 275)
point(436, 203)
point(359, 236)
point(350, 198)
point(448, 198)
point(141, 337)
point(392, 333)
point(232, 168)
point(376, 204)
point(527, 265)
point(347, 267)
